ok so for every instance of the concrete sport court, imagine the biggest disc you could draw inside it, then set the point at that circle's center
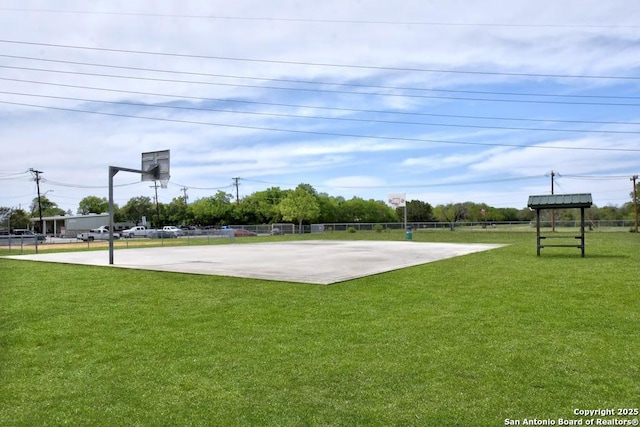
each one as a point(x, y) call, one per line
point(315, 261)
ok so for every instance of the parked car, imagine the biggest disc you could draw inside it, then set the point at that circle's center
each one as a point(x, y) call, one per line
point(162, 234)
point(239, 232)
point(28, 233)
point(137, 231)
point(100, 233)
point(190, 230)
point(276, 232)
point(173, 229)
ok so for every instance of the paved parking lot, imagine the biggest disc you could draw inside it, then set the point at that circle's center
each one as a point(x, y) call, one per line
point(318, 261)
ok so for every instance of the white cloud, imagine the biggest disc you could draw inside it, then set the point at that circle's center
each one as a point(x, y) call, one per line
point(354, 182)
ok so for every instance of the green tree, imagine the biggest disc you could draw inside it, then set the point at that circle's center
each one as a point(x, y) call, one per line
point(359, 210)
point(308, 188)
point(525, 214)
point(417, 211)
point(510, 214)
point(244, 212)
point(379, 211)
point(354, 210)
point(49, 208)
point(176, 211)
point(93, 204)
point(300, 205)
point(329, 208)
point(451, 213)
point(11, 219)
point(138, 207)
point(213, 210)
point(609, 213)
point(261, 207)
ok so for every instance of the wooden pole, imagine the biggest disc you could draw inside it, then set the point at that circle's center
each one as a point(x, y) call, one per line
point(582, 231)
point(538, 230)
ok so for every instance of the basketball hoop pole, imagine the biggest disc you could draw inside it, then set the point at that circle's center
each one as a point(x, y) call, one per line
point(113, 170)
point(155, 166)
point(405, 215)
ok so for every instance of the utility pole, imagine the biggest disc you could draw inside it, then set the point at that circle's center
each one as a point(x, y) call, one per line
point(37, 179)
point(184, 190)
point(236, 183)
point(635, 201)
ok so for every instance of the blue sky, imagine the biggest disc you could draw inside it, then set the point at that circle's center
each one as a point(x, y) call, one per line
point(446, 101)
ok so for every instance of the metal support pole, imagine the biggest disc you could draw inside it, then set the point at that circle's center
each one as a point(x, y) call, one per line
point(406, 205)
point(553, 211)
point(112, 171)
point(155, 185)
point(635, 202)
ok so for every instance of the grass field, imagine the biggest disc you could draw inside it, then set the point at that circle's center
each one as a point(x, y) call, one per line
point(469, 341)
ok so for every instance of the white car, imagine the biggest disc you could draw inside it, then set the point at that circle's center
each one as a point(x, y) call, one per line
point(173, 229)
point(137, 231)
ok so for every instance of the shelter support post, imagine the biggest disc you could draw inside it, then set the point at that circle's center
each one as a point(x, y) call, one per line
point(582, 232)
point(538, 230)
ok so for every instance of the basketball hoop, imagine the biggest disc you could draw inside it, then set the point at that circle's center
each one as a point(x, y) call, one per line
point(164, 183)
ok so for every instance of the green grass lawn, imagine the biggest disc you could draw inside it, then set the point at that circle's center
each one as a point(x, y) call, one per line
point(469, 341)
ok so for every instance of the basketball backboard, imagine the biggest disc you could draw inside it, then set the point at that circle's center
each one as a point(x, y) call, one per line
point(155, 166)
point(397, 200)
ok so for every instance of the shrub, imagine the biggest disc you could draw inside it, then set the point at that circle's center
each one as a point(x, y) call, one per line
point(351, 230)
point(378, 228)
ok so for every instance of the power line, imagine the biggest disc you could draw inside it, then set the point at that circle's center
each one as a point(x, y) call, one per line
point(318, 107)
point(358, 85)
point(306, 132)
point(441, 184)
point(191, 187)
point(308, 117)
point(299, 89)
point(322, 21)
point(14, 176)
point(596, 177)
point(320, 64)
point(63, 184)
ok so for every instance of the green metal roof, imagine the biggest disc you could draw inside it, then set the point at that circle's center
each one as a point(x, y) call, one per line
point(553, 201)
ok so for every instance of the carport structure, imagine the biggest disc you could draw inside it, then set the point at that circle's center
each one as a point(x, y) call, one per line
point(560, 201)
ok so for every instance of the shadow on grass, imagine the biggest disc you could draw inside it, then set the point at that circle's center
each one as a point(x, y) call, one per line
point(586, 256)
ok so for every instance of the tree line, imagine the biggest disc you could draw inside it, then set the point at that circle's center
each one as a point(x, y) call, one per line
point(302, 205)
